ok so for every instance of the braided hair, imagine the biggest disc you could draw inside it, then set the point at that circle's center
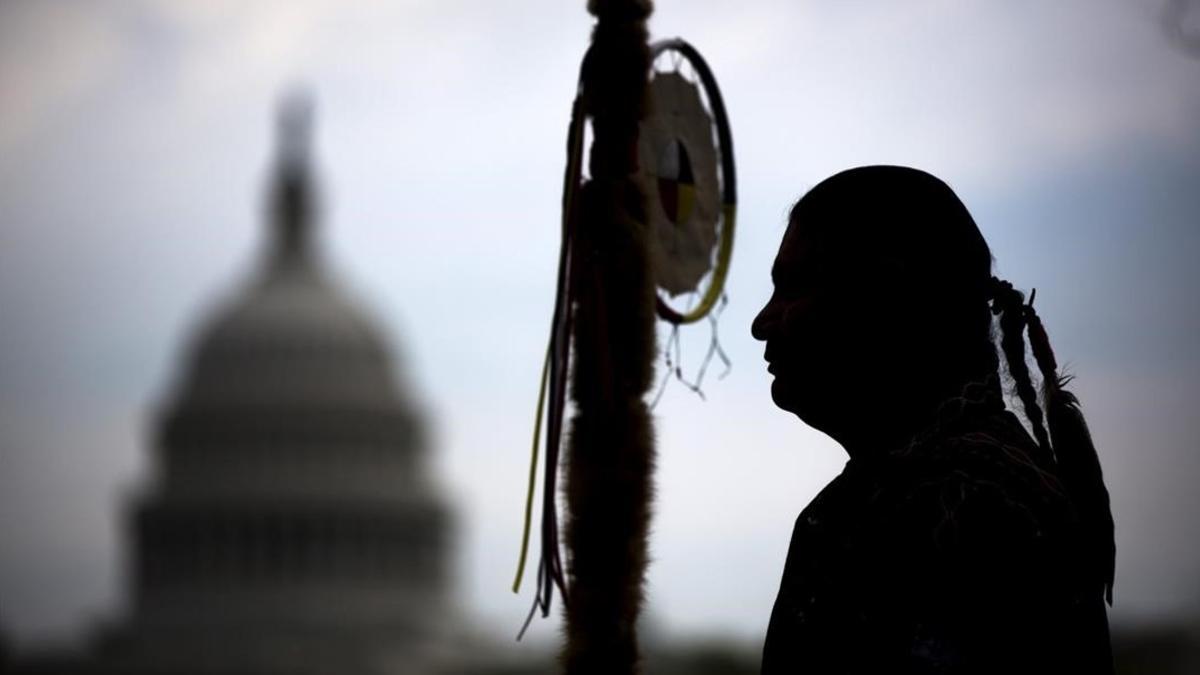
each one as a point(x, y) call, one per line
point(1067, 442)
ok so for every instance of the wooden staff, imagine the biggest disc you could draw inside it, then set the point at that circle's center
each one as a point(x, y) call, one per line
point(610, 449)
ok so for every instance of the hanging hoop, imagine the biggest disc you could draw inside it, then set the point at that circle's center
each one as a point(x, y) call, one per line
point(686, 154)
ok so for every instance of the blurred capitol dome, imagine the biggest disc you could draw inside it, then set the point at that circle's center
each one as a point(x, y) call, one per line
point(292, 527)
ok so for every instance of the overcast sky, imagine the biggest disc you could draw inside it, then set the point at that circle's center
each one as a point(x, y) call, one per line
point(135, 139)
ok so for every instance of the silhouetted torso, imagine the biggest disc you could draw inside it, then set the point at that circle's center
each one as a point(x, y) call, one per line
point(957, 554)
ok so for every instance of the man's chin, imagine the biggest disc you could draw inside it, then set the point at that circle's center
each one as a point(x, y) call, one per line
point(783, 395)
point(799, 402)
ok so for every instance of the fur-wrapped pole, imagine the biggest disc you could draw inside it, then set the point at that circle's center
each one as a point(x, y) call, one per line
point(610, 452)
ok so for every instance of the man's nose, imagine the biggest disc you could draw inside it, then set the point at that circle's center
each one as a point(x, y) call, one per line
point(764, 324)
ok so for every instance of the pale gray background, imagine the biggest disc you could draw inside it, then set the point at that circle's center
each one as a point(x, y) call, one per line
point(134, 143)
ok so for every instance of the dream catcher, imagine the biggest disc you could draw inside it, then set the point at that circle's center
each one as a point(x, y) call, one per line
point(687, 173)
point(648, 234)
point(686, 155)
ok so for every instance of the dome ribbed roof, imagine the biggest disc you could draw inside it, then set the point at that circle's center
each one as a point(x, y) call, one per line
point(292, 338)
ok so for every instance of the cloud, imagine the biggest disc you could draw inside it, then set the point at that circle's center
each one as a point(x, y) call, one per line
point(976, 92)
point(1181, 22)
point(52, 57)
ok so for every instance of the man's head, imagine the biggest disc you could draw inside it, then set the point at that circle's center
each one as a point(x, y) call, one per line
point(880, 301)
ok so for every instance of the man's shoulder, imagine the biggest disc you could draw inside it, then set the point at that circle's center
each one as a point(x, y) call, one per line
point(985, 484)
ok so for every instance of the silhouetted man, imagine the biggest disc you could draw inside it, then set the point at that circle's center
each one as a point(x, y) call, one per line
point(953, 541)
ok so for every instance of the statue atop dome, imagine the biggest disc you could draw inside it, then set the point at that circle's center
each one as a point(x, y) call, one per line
point(293, 198)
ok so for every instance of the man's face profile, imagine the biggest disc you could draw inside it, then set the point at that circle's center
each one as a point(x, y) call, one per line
point(825, 326)
point(791, 326)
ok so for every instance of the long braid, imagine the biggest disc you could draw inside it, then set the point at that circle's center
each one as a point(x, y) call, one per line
point(1078, 464)
point(1008, 304)
point(1069, 441)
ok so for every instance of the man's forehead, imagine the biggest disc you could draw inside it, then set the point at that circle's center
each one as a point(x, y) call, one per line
point(794, 250)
